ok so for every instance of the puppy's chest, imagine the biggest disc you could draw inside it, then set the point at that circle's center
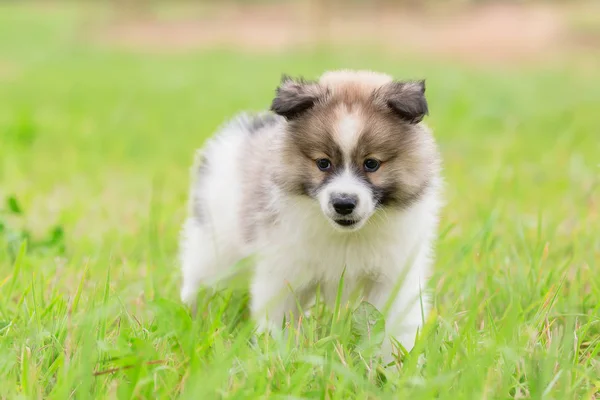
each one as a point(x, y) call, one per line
point(325, 258)
point(303, 244)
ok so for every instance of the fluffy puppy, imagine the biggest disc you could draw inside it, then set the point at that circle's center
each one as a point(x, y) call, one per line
point(341, 177)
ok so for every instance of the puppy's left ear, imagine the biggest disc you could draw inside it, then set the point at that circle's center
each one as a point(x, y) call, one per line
point(295, 96)
point(406, 99)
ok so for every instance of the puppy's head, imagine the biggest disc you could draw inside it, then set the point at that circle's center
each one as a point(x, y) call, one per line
point(355, 144)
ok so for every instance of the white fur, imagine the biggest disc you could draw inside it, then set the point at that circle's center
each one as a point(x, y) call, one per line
point(367, 78)
point(348, 130)
point(209, 248)
point(304, 250)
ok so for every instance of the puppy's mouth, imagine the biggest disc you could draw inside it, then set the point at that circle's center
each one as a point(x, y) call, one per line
point(347, 223)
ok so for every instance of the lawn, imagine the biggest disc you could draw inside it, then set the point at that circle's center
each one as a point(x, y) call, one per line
point(95, 148)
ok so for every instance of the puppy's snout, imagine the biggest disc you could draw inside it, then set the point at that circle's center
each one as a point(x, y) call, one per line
point(344, 203)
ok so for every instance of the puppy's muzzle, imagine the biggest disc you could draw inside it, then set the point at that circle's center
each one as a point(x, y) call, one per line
point(344, 203)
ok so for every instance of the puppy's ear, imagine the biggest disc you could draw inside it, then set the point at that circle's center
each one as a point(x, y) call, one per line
point(406, 99)
point(295, 96)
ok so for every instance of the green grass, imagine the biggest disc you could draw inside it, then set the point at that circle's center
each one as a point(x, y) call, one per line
point(95, 146)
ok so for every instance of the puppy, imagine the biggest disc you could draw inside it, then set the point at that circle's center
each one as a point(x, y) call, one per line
point(341, 178)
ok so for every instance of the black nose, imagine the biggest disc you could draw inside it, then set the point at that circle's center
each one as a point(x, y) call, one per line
point(344, 204)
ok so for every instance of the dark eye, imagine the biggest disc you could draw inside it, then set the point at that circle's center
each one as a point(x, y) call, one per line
point(371, 165)
point(324, 164)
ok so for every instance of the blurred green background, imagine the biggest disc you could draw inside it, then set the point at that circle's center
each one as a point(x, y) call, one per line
point(102, 105)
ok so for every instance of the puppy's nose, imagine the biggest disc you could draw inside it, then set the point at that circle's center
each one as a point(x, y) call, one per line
point(344, 204)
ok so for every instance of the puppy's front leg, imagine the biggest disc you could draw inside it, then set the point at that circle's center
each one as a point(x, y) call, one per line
point(407, 309)
point(273, 298)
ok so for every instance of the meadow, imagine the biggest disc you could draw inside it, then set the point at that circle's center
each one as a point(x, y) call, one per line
point(96, 142)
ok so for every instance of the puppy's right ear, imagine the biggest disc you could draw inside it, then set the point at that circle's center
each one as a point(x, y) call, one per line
point(295, 96)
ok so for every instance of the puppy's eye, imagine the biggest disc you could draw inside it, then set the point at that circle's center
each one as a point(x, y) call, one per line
point(371, 165)
point(324, 164)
